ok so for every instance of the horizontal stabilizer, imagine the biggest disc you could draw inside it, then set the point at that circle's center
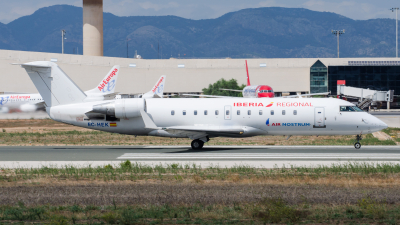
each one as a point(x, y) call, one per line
point(55, 87)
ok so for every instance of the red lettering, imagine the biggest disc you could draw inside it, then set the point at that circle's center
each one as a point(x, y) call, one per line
point(239, 104)
point(296, 104)
point(251, 104)
point(306, 104)
point(244, 104)
point(260, 104)
point(279, 104)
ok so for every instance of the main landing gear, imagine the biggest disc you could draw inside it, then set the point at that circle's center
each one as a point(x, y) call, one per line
point(197, 144)
point(357, 145)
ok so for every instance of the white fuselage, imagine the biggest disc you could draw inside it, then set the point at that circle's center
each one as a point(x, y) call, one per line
point(303, 116)
point(20, 102)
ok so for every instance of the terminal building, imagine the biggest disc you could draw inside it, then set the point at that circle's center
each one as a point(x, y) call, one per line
point(286, 76)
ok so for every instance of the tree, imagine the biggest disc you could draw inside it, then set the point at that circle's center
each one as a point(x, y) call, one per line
point(214, 89)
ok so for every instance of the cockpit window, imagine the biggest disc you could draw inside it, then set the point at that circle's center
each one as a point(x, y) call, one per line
point(350, 109)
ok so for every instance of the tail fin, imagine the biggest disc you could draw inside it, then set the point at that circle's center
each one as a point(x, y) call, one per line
point(248, 77)
point(158, 90)
point(108, 84)
point(53, 84)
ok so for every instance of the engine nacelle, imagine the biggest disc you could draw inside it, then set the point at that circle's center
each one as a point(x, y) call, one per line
point(122, 108)
point(129, 107)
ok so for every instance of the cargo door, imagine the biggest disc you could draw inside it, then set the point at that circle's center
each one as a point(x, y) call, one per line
point(319, 118)
point(228, 112)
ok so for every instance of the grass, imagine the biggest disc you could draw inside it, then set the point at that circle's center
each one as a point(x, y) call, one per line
point(267, 210)
point(86, 137)
point(127, 171)
point(133, 193)
point(394, 133)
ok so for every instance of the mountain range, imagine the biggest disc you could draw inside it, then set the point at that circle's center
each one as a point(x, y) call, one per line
point(272, 32)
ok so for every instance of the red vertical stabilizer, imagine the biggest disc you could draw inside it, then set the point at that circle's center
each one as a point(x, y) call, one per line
point(248, 77)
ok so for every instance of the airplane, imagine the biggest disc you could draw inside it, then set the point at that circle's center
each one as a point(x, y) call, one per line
point(32, 102)
point(199, 119)
point(254, 91)
point(158, 90)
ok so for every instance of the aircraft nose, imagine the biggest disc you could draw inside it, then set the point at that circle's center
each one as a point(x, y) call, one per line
point(379, 124)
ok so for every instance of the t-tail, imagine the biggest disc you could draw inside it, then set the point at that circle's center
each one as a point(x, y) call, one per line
point(108, 84)
point(158, 90)
point(248, 76)
point(55, 87)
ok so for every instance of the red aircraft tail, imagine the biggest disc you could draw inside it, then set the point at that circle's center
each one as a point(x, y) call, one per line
point(248, 77)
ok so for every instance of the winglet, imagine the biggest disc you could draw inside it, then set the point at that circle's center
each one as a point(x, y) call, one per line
point(148, 122)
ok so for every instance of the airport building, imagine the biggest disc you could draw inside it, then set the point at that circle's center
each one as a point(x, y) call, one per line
point(285, 76)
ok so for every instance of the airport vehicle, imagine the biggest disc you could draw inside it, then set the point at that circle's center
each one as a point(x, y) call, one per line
point(198, 119)
point(32, 102)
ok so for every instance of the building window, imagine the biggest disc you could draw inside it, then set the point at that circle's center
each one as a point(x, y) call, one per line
point(205, 112)
point(238, 112)
point(184, 112)
point(260, 112)
point(216, 112)
point(249, 112)
point(283, 112)
point(318, 78)
point(172, 112)
point(294, 112)
point(195, 112)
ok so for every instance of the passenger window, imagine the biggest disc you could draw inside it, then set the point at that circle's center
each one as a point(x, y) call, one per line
point(184, 112)
point(249, 112)
point(283, 112)
point(227, 112)
point(195, 112)
point(294, 112)
point(205, 112)
point(238, 112)
point(260, 112)
point(272, 112)
point(216, 112)
point(172, 112)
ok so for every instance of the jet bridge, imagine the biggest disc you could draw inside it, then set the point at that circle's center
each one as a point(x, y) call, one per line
point(366, 96)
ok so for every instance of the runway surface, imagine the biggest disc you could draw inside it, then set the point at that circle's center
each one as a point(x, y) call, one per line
point(258, 156)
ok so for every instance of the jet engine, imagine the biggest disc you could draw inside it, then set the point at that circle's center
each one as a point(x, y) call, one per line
point(122, 108)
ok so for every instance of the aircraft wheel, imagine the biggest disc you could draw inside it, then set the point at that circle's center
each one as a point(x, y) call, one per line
point(197, 144)
point(357, 145)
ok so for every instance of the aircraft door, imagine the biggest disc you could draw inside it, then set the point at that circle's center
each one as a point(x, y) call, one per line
point(228, 112)
point(319, 118)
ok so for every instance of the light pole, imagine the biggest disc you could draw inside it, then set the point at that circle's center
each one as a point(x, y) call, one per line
point(338, 33)
point(397, 39)
point(63, 32)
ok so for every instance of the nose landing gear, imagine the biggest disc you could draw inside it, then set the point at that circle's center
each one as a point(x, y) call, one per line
point(357, 144)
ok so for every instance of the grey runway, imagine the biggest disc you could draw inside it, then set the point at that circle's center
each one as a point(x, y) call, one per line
point(209, 153)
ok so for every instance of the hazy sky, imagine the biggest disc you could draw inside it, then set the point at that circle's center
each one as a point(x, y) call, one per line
point(205, 9)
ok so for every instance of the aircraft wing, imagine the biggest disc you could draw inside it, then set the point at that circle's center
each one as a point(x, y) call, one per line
point(231, 90)
point(295, 96)
point(193, 132)
point(210, 96)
